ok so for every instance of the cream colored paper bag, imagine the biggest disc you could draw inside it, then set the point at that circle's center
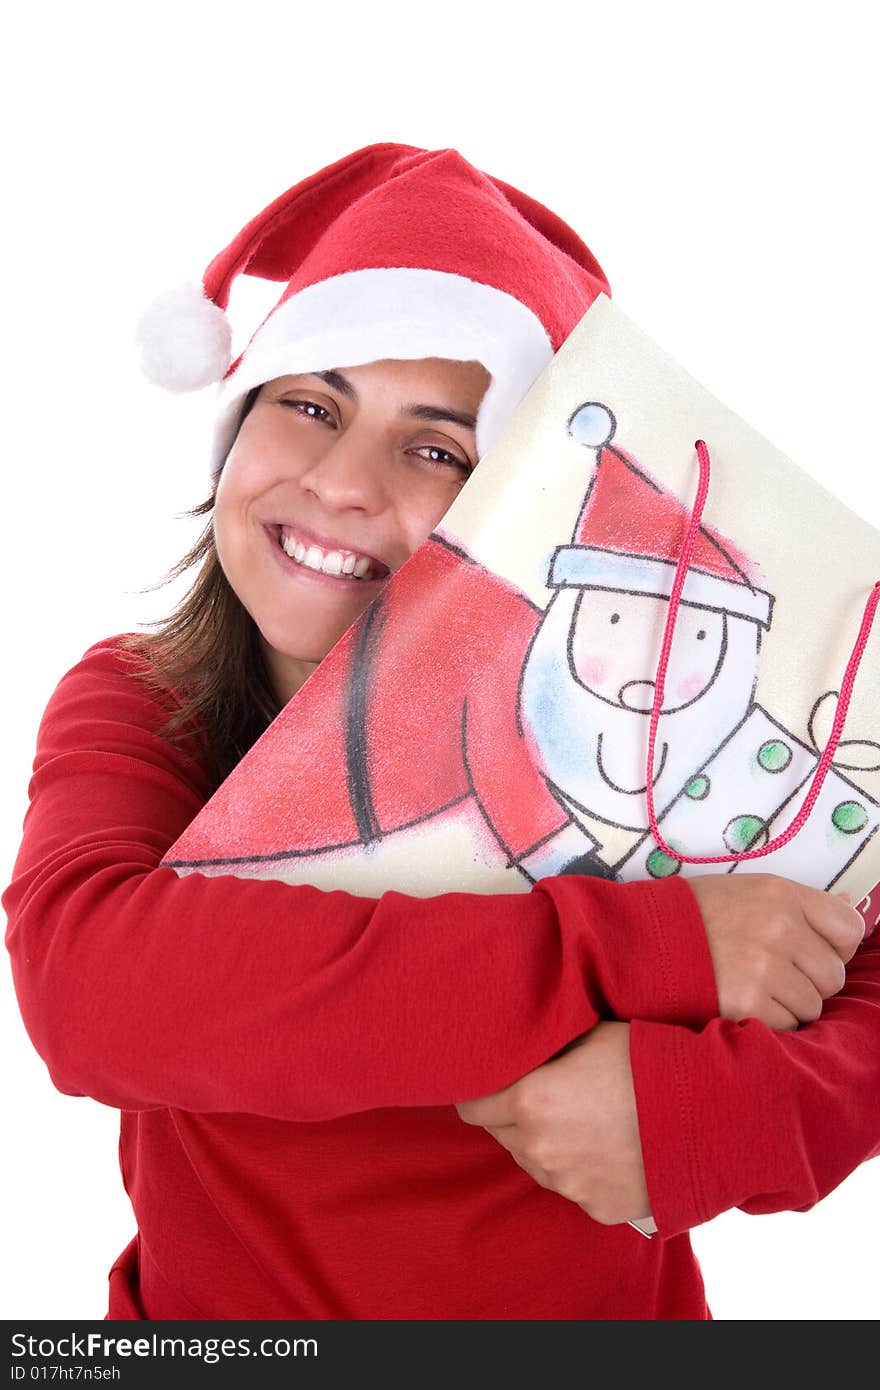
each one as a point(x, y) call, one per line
point(485, 722)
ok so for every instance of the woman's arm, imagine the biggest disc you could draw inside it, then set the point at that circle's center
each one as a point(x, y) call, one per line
point(638, 1117)
point(737, 1115)
point(144, 989)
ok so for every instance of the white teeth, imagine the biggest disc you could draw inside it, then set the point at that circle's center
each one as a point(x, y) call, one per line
point(333, 562)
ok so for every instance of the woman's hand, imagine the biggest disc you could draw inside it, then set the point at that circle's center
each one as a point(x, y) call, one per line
point(572, 1125)
point(779, 948)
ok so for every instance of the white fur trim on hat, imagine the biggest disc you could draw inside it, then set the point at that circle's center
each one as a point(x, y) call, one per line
point(184, 340)
point(367, 315)
point(589, 567)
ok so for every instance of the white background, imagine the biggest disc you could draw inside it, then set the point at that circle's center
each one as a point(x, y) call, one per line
point(720, 162)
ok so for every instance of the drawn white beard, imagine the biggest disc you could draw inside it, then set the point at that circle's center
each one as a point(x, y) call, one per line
point(596, 752)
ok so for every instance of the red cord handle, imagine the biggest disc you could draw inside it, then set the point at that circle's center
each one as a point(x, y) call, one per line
point(839, 718)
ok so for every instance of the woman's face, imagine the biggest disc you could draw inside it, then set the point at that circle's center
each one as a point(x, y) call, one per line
point(334, 479)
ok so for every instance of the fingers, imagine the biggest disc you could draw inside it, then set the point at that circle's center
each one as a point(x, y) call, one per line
point(835, 919)
point(796, 994)
point(822, 965)
point(779, 1018)
point(785, 1001)
point(508, 1136)
point(489, 1111)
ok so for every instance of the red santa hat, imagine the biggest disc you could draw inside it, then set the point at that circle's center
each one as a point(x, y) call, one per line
point(630, 533)
point(391, 252)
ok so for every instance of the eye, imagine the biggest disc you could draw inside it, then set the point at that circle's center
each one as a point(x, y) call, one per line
point(701, 634)
point(615, 617)
point(442, 458)
point(310, 410)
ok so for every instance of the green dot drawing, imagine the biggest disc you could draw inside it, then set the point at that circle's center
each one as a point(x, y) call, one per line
point(745, 833)
point(661, 865)
point(698, 788)
point(850, 817)
point(774, 755)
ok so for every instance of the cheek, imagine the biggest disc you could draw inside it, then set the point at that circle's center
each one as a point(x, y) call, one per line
point(591, 657)
point(226, 499)
point(233, 542)
point(224, 530)
point(690, 686)
point(419, 511)
point(592, 670)
point(260, 457)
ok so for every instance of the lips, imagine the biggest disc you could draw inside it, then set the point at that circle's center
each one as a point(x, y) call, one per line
point(326, 556)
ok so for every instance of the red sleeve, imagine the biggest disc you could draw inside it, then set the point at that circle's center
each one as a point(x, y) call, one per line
point(737, 1115)
point(145, 989)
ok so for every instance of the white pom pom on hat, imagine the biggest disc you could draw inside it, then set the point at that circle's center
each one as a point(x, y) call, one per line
point(184, 340)
point(391, 252)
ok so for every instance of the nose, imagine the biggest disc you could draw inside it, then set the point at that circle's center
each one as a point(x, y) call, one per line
point(348, 474)
point(637, 695)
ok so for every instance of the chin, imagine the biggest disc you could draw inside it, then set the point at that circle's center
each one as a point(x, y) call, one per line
point(308, 647)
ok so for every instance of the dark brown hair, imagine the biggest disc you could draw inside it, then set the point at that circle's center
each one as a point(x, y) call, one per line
point(204, 659)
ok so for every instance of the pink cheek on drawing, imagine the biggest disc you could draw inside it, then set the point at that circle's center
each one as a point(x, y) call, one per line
point(592, 670)
point(691, 686)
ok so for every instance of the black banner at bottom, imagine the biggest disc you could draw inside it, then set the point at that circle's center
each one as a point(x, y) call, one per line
point(294, 1353)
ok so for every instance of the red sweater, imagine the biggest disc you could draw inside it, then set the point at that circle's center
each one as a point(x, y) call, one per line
point(287, 1060)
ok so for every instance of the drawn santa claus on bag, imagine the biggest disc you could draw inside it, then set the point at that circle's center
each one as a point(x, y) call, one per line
point(455, 688)
point(589, 676)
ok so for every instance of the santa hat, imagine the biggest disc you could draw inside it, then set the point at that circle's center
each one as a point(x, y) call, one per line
point(391, 252)
point(630, 532)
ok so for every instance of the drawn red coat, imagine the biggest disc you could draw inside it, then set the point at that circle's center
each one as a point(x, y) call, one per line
point(414, 711)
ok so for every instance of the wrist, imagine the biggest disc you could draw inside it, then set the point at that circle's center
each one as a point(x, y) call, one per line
point(656, 952)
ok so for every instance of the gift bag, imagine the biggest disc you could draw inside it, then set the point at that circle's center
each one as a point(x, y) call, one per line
point(639, 644)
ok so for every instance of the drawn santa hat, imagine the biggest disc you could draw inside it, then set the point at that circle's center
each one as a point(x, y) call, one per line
point(391, 252)
point(630, 533)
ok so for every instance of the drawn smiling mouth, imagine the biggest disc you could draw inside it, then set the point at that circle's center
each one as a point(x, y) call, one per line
point(629, 791)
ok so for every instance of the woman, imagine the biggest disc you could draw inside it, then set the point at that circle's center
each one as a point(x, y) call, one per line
point(288, 1061)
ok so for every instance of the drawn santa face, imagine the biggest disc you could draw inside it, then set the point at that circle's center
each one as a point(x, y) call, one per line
point(615, 649)
point(588, 688)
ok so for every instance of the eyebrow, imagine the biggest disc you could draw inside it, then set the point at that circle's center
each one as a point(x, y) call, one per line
point(416, 412)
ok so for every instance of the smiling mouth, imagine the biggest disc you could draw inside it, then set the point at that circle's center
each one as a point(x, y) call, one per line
point(337, 562)
point(629, 791)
